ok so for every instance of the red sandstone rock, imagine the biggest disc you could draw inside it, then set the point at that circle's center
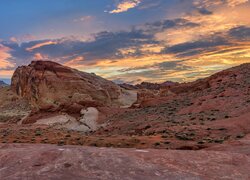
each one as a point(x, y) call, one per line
point(236, 75)
point(74, 162)
point(195, 106)
point(49, 85)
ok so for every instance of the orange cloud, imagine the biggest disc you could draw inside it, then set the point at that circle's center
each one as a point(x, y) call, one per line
point(24, 38)
point(233, 3)
point(222, 20)
point(138, 61)
point(75, 63)
point(39, 56)
point(4, 56)
point(6, 73)
point(208, 3)
point(125, 6)
point(41, 45)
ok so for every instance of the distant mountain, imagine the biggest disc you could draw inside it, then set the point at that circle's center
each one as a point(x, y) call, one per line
point(3, 84)
point(155, 86)
point(148, 85)
point(6, 80)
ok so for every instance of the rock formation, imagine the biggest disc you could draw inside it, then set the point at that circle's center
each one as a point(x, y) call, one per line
point(217, 101)
point(49, 86)
point(238, 75)
point(37, 161)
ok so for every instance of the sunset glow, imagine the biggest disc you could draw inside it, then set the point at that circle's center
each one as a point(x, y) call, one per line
point(127, 40)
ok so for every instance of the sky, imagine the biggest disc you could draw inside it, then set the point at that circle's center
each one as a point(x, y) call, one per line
point(127, 40)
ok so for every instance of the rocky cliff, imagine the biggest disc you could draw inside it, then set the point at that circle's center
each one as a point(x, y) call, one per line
point(49, 85)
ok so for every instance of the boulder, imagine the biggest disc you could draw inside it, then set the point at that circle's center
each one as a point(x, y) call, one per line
point(89, 117)
point(49, 85)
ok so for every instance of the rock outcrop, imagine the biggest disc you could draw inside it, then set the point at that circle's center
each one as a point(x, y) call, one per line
point(236, 76)
point(49, 86)
point(12, 107)
point(76, 162)
point(86, 123)
point(221, 84)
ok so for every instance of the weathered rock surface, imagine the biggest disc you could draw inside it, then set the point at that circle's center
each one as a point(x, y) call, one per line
point(229, 83)
point(90, 117)
point(25, 161)
point(87, 122)
point(225, 79)
point(49, 85)
point(12, 108)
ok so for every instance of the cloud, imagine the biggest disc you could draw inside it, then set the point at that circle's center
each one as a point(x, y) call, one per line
point(166, 24)
point(39, 56)
point(159, 72)
point(46, 43)
point(240, 32)
point(104, 46)
point(162, 66)
point(173, 65)
point(209, 3)
point(147, 4)
point(75, 62)
point(4, 56)
point(6, 73)
point(205, 11)
point(233, 3)
point(23, 38)
point(84, 19)
point(184, 48)
point(125, 5)
point(197, 47)
point(137, 54)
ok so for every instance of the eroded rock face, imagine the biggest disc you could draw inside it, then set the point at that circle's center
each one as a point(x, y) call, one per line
point(49, 85)
point(12, 107)
point(238, 75)
point(87, 122)
point(228, 84)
